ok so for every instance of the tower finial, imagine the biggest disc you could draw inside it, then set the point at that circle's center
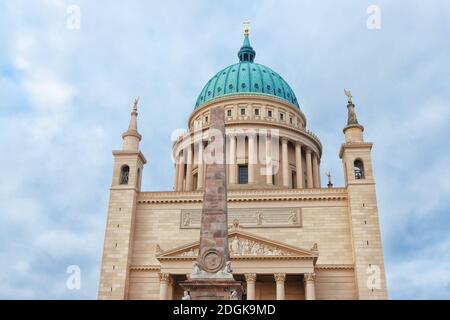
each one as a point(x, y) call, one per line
point(246, 30)
point(349, 95)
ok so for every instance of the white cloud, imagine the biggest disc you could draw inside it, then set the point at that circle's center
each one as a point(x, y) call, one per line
point(426, 275)
point(48, 92)
point(62, 244)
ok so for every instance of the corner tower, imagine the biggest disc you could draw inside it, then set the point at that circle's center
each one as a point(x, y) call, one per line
point(362, 209)
point(125, 187)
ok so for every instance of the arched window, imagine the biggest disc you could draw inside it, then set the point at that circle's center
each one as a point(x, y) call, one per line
point(124, 174)
point(359, 169)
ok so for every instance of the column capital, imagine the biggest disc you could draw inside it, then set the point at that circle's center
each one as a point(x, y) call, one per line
point(309, 277)
point(308, 150)
point(250, 277)
point(164, 277)
point(284, 140)
point(251, 134)
point(280, 277)
point(298, 144)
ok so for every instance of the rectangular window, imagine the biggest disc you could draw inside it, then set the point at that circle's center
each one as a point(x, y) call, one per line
point(206, 119)
point(282, 116)
point(269, 113)
point(242, 112)
point(229, 113)
point(290, 120)
point(256, 112)
point(243, 174)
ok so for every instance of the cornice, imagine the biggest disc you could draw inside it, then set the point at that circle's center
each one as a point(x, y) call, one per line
point(288, 131)
point(334, 266)
point(130, 153)
point(245, 96)
point(354, 145)
point(145, 267)
point(354, 125)
point(246, 257)
point(317, 267)
point(247, 195)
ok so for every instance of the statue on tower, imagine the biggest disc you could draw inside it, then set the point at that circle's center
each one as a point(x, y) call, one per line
point(135, 104)
point(351, 109)
point(330, 184)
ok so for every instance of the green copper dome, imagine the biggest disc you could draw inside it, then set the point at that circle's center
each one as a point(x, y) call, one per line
point(246, 77)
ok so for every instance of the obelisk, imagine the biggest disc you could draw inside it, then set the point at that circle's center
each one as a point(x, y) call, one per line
point(212, 277)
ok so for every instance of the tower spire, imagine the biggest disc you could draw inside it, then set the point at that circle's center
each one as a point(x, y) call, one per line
point(131, 137)
point(353, 130)
point(246, 53)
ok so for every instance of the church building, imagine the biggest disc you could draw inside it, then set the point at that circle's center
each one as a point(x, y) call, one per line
point(289, 237)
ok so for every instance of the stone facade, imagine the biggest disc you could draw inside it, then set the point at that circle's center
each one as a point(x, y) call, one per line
point(326, 220)
point(288, 237)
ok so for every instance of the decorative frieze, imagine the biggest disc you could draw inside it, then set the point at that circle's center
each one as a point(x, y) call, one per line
point(249, 218)
point(245, 247)
point(242, 247)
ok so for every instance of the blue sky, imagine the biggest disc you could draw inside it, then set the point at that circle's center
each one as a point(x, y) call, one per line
point(65, 98)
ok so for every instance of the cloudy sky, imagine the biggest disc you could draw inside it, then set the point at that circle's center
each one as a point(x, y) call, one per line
point(66, 94)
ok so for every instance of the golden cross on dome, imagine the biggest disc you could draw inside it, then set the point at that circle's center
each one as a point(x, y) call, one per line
point(246, 23)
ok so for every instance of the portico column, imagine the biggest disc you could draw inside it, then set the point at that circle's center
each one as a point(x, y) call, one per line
point(170, 289)
point(309, 174)
point(200, 166)
point(316, 175)
point(163, 285)
point(177, 168)
point(284, 156)
point(269, 165)
point(251, 281)
point(298, 165)
point(310, 287)
point(189, 169)
point(232, 160)
point(279, 279)
point(251, 158)
point(180, 172)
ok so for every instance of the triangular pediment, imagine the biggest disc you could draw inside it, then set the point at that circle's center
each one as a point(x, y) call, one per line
point(244, 245)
